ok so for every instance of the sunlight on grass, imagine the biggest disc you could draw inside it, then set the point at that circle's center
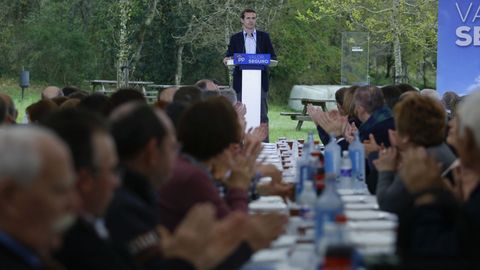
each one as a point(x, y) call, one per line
point(283, 126)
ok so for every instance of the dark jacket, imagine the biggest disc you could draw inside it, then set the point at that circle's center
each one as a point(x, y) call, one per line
point(15, 256)
point(82, 248)
point(132, 218)
point(378, 125)
point(237, 45)
point(442, 231)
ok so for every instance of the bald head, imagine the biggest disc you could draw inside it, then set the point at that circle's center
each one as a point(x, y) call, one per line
point(207, 85)
point(51, 92)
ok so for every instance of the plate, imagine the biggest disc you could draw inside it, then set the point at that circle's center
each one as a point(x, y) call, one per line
point(361, 206)
point(376, 225)
point(368, 215)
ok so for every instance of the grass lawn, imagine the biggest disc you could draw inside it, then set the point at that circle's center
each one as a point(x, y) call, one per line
point(280, 126)
point(283, 126)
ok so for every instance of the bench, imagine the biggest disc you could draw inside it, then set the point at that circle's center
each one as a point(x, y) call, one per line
point(303, 116)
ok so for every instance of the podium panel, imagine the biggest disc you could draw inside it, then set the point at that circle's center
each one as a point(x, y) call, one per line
point(251, 96)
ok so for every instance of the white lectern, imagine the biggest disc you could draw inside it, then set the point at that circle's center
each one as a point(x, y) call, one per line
point(252, 66)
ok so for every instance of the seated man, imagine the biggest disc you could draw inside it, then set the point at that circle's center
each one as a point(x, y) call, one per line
point(147, 148)
point(36, 198)
point(86, 245)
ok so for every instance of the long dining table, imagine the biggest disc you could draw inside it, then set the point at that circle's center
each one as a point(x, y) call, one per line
point(370, 231)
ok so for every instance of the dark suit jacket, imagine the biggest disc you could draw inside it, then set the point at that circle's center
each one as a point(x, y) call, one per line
point(132, 213)
point(237, 45)
point(9, 260)
point(83, 249)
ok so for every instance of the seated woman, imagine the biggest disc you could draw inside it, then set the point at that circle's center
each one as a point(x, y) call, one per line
point(210, 158)
point(420, 121)
point(441, 231)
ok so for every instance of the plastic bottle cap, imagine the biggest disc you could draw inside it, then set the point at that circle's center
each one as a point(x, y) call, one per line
point(341, 218)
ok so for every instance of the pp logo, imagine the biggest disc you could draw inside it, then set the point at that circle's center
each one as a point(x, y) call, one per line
point(240, 59)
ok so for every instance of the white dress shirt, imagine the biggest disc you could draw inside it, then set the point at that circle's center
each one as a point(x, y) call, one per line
point(250, 42)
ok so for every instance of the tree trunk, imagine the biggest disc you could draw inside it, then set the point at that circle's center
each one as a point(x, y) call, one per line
point(124, 48)
point(141, 34)
point(179, 72)
point(397, 50)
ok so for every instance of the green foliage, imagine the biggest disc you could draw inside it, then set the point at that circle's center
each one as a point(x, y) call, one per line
point(70, 41)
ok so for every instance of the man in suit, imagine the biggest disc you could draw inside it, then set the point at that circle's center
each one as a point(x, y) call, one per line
point(251, 41)
point(36, 197)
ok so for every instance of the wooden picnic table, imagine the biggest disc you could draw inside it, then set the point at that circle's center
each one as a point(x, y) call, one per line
point(303, 116)
point(102, 83)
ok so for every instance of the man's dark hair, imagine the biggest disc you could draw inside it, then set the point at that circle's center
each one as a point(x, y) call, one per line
point(392, 94)
point(98, 103)
point(208, 127)
point(125, 95)
point(247, 10)
point(135, 129)
point(69, 89)
point(188, 94)
point(76, 128)
point(79, 94)
point(175, 110)
point(405, 87)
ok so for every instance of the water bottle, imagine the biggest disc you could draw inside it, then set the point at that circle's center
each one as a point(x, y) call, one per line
point(328, 206)
point(356, 151)
point(332, 157)
point(345, 177)
point(307, 201)
point(304, 169)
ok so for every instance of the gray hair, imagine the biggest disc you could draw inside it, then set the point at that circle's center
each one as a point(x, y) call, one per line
point(229, 94)
point(369, 97)
point(430, 93)
point(469, 113)
point(21, 157)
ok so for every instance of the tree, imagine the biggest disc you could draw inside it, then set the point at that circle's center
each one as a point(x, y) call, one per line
point(397, 22)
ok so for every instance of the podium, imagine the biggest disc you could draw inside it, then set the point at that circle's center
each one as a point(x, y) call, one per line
point(252, 66)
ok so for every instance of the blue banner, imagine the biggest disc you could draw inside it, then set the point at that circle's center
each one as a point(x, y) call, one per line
point(251, 59)
point(458, 59)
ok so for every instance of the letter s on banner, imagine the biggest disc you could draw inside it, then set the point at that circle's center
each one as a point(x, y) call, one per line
point(464, 38)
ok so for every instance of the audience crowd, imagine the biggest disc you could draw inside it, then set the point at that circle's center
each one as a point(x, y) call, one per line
point(90, 181)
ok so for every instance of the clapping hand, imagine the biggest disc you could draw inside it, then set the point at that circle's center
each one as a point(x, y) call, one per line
point(419, 171)
point(331, 122)
point(261, 230)
point(243, 164)
point(201, 240)
point(349, 132)
point(387, 160)
point(371, 145)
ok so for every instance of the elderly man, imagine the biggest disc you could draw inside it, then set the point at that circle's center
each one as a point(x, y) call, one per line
point(443, 227)
point(36, 202)
point(51, 92)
